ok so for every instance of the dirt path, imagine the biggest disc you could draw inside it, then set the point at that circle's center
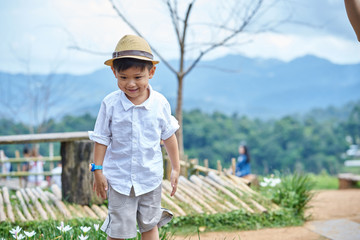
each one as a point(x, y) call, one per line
point(326, 205)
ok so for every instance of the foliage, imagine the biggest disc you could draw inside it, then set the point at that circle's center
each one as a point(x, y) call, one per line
point(292, 143)
point(49, 229)
point(324, 181)
point(294, 192)
point(239, 220)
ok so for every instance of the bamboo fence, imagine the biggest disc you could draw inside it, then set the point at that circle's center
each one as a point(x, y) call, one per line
point(199, 194)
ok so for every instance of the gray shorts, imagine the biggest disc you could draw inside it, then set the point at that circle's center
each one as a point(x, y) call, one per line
point(125, 211)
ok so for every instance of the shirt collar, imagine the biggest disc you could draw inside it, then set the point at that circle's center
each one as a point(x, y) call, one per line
point(127, 104)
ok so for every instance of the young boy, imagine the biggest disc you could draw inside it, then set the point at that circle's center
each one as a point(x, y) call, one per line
point(128, 160)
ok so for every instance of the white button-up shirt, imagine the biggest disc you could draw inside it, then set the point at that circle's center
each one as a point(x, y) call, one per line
point(132, 135)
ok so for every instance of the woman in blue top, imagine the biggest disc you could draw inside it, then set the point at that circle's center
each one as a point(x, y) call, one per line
point(243, 162)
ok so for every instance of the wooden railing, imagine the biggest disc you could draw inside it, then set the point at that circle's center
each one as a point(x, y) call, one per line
point(75, 155)
point(36, 138)
point(20, 173)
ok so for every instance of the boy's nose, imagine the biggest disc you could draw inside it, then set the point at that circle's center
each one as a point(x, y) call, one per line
point(131, 82)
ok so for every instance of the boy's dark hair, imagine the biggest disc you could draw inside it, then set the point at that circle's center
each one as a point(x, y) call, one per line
point(246, 153)
point(25, 150)
point(122, 64)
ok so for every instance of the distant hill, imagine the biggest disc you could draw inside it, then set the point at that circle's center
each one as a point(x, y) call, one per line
point(263, 88)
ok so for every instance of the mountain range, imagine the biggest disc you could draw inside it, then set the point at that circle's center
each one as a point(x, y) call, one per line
point(263, 88)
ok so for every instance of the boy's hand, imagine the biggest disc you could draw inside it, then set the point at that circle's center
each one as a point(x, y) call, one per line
point(100, 184)
point(174, 178)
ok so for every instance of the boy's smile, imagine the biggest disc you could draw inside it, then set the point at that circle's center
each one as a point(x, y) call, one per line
point(134, 83)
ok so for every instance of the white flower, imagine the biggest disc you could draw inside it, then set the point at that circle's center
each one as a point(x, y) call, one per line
point(272, 182)
point(18, 237)
point(275, 181)
point(67, 228)
point(96, 226)
point(83, 237)
point(61, 227)
point(30, 234)
point(85, 229)
point(64, 229)
point(15, 231)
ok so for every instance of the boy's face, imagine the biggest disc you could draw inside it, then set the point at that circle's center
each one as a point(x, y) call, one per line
point(134, 83)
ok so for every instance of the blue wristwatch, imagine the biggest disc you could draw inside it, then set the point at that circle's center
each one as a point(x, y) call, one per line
point(93, 167)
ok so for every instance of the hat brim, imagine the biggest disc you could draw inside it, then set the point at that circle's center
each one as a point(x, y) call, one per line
point(110, 61)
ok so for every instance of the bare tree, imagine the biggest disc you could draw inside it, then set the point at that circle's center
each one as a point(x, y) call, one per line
point(227, 27)
point(33, 98)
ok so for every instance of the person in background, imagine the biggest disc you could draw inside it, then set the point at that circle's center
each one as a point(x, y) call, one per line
point(25, 165)
point(36, 167)
point(243, 162)
point(353, 12)
point(6, 166)
point(56, 179)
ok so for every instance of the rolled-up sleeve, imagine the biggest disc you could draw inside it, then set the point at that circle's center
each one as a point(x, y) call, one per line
point(102, 132)
point(170, 125)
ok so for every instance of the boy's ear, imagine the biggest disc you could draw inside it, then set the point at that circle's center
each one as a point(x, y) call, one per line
point(152, 72)
point(112, 68)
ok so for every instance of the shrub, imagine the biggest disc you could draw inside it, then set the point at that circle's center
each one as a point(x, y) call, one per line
point(294, 192)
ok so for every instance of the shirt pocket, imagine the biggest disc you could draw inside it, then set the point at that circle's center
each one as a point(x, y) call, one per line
point(151, 131)
point(121, 130)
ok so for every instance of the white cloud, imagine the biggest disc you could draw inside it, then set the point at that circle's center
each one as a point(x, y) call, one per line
point(287, 47)
point(44, 31)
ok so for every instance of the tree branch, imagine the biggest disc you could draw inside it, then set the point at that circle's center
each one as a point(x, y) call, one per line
point(244, 24)
point(139, 34)
point(174, 19)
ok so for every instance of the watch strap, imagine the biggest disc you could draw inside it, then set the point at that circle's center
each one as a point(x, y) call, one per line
point(94, 167)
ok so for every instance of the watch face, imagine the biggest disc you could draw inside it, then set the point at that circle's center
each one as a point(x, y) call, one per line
point(90, 167)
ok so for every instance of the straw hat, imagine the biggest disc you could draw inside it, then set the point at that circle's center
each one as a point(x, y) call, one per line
point(131, 46)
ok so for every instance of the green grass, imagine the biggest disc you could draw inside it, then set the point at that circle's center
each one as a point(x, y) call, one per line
point(48, 230)
point(235, 220)
point(354, 170)
point(324, 181)
point(292, 195)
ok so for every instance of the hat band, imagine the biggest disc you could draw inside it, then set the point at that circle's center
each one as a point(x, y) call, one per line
point(132, 53)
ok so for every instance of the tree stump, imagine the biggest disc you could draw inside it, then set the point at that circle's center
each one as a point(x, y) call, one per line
point(77, 180)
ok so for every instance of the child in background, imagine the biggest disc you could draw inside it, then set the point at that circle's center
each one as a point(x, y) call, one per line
point(243, 162)
point(36, 167)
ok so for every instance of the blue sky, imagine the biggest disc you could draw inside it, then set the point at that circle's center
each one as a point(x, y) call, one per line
point(37, 35)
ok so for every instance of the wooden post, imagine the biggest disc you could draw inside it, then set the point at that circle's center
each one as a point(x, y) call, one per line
point(18, 166)
point(233, 165)
point(2, 158)
point(166, 161)
point(2, 209)
point(7, 202)
point(206, 165)
point(51, 155)
point(76, 178)
point(219, 167)
point(167, 168)
point(195, 162)
point(184, 168)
